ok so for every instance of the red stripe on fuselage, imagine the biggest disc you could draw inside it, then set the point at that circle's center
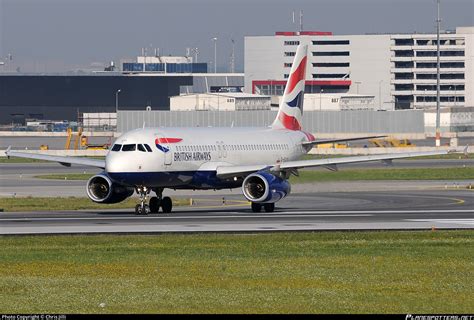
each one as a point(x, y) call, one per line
point(297, 76)
point(168, 140)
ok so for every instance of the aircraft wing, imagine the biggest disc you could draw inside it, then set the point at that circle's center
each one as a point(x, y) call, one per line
point(316, 142)
point(330, 163)
point(64, 160)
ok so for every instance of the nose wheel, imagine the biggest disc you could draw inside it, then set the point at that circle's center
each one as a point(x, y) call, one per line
point(155, 203)
point(142, 208)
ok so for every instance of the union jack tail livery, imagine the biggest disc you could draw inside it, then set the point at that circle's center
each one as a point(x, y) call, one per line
point(290, 112)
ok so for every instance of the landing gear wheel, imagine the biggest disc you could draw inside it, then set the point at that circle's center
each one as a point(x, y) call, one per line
point(142, 209)
point(166, 204)
point(154, 204)
point(269, 207)
point(256, 207)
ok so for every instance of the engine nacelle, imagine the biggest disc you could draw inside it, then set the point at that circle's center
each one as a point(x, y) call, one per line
point(101, 189)
point(264, 187)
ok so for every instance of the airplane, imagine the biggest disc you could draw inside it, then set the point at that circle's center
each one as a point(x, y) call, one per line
point(258, 160)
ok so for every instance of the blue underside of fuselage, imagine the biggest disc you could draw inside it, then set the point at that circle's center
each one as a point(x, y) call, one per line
point(174, 179)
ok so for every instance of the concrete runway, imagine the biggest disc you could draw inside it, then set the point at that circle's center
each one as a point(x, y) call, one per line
point(441, 209)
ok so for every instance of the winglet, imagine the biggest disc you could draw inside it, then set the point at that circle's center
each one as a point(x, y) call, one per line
point(466, 154)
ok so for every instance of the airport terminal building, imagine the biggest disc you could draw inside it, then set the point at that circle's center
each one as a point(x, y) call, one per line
point(398, 69)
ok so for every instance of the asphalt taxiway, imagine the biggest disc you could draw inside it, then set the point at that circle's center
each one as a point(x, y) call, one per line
point(353, 205)
point(418, 210)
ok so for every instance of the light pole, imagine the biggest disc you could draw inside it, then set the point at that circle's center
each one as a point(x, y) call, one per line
point(380, 93)
point(357, 83)
point(116, 100)
point(320, 97)
point(455, 96)
point(438, 115)
point(215, 54)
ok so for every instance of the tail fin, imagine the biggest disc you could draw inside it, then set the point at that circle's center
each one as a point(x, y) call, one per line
point(290, 112)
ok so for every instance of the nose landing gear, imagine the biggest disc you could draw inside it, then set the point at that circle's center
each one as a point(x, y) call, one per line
point(142, 208)
point(155, 203)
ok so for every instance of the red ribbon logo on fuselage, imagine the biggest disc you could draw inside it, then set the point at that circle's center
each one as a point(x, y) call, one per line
point(160, 141)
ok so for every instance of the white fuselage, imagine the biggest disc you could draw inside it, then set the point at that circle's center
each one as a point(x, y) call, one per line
point(182, 152)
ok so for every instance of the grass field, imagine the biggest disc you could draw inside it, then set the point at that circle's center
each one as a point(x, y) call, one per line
point(328, 272)
point(385, 174)
point(69, 203)
point(322, 175)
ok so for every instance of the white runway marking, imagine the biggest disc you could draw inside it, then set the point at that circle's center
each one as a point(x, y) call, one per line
point(187, 217)
point(452, 221)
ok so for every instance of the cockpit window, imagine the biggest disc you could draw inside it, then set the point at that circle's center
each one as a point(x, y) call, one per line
point(141, 148)
point(129, 147)
point(116, 147)
point(147, 147)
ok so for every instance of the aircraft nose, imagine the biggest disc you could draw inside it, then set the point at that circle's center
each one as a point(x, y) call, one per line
point(113, 163)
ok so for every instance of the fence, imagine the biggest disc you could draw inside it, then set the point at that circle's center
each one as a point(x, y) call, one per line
point(360, 121)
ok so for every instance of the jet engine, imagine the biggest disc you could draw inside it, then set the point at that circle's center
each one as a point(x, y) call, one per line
point(264, 187)
point(101, 189)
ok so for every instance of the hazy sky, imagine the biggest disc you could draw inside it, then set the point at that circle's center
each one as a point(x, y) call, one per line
point(60, 35)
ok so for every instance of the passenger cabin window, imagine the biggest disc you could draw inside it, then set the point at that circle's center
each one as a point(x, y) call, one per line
point(141, 148)
point(116, 147)
point(129, 147)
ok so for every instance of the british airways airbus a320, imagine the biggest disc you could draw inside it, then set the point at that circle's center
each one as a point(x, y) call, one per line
point(259, 160)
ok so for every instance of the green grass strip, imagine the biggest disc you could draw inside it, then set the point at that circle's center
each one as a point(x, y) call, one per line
point(322, 175)
point(329, 272)
point(69, 203)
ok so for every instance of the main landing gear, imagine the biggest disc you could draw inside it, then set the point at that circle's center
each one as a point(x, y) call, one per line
point(268, 207)
point(155, 203)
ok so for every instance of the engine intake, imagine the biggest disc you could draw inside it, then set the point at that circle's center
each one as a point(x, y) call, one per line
point(263, 187)
point(101, 189)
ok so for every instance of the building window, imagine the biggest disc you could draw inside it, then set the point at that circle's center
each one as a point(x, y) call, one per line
point(403, 76)
point(331, 64)
point(404, 53)
point(404, 64)
point(425, 76)
point(290, 54)
point(457, 53)
point(404, 87)
point(291, 43)
point(404, 42)
point(329, 75)
point(330, 42)
point(442, 65)
point(330, 53)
